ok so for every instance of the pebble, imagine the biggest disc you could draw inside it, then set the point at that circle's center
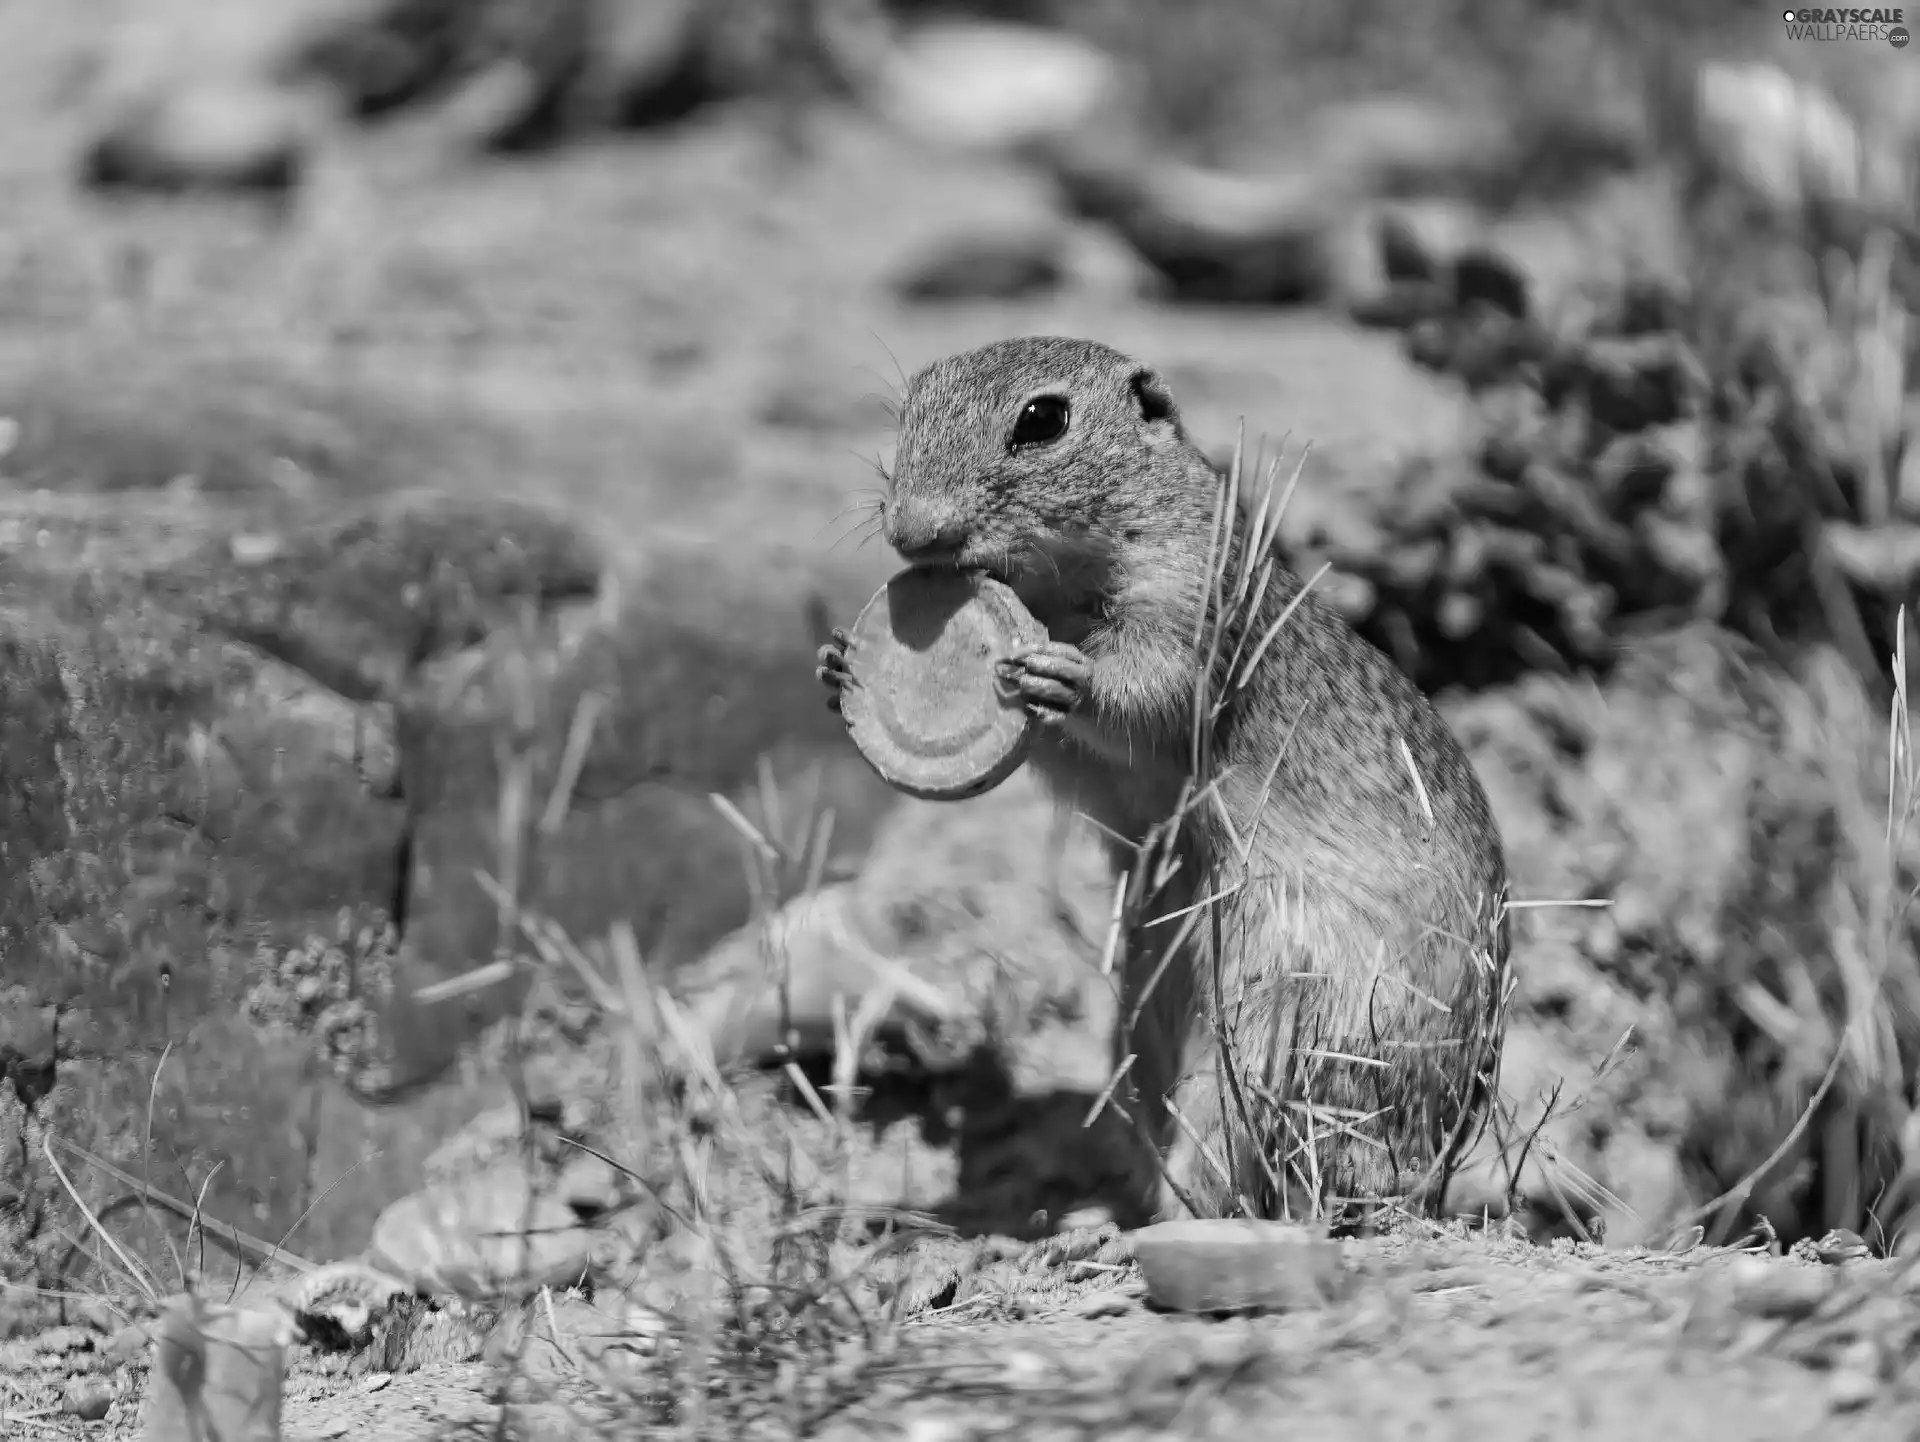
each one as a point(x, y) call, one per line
point(492, 1232)
point(1849, 1389)
point(1228, 1265)
point(87, 1398)
point(1108, 1303)
point(943, 1428)
point(1763, 1287)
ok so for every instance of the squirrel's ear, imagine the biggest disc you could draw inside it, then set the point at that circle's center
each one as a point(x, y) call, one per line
point(1153, 397)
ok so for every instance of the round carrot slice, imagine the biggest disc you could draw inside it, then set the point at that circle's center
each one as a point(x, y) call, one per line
point(922, 700)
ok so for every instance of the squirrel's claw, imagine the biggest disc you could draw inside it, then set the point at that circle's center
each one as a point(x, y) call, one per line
point(832, 671)
point(1051, 679)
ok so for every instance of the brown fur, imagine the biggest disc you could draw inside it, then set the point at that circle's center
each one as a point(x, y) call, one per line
point(1361, 944)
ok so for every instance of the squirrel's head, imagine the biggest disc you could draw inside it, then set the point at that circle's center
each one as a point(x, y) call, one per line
point(1041, 461)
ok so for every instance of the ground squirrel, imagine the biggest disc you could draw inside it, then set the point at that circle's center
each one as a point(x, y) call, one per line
point(1352, 874)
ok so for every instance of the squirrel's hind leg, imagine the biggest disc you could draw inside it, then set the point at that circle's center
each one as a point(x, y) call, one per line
point(1296, 1090)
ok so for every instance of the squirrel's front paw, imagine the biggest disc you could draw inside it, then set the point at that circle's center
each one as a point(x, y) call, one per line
point(1052, 679)
point(832, 670)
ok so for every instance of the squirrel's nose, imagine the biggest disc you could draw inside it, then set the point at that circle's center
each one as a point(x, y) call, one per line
point(925, 534)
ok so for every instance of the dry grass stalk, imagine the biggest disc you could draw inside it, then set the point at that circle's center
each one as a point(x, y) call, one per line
point(773, 1296)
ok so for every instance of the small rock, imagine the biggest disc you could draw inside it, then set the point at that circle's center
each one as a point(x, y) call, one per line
point(87, 1398)
point(942, 1428)
point(1010, 267)
point(491, 1235)
point(1109, 1303)
point(1086, 1219)
point(977, 85)
point(216, 135)
point(1234, 1266)
point(1848, 1389)
point(1763, 1287)
point(1024, 1368)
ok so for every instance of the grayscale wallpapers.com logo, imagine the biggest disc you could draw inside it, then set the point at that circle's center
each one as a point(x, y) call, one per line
point(1816, 23)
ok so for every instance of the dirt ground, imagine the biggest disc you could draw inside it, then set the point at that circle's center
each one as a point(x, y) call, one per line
point(1443, 1338)
point(688, 340)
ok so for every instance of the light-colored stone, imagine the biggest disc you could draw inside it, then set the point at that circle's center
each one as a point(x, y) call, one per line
point(1228, 1265)
point(214, 134)
point(492, 1235)
point(979, 86)
point(1769, 1287)
point(88, 1398)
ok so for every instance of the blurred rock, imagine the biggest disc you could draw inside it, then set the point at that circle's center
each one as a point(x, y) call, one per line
point(203, 135)
point(1412, 149)
point(497, 73)
point(576, 761)
point(488, 625)
point(1375, 195)
point(496, 1234)
point(981, 920)
point(649, 62)
point(1882, 559)
point(141, 876)
point(1212, 237)
point(88, 1398)
point(1229, 1265)
point(1791, 144)
point(785, 983)
point(360, 603)
point(977, 85)
point(509, 74)
point(121, 856)
point(1005, 267)
point(1774, 1288)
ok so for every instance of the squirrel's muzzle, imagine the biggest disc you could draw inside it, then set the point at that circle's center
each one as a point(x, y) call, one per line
point(925, 533)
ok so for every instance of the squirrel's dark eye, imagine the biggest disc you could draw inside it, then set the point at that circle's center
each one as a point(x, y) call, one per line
point(1042, 419)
